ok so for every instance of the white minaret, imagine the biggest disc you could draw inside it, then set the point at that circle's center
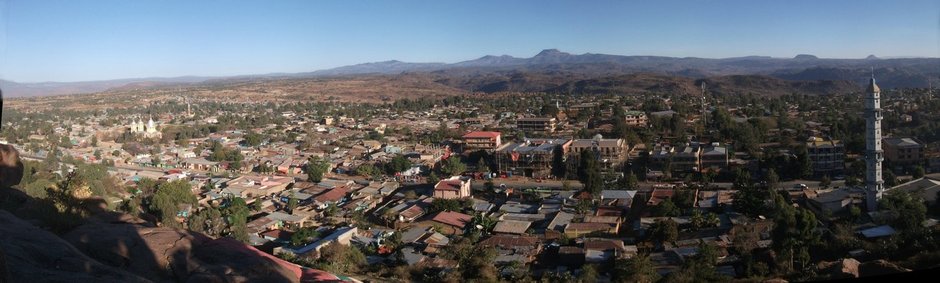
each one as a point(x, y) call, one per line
point(874, 185)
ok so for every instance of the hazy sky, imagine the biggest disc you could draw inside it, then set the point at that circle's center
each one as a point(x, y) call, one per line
point(93, 40)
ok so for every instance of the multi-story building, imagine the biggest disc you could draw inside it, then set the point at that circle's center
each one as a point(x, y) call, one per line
point(661, 153)
point(902, 152)
point(636, 119)
point(826, 156)
point(611, 153)
point(531, 158)
point(481, 140)
point(686, 158)
point(714, 157)
point(573, 110)
point(689, 157)
point(452, 188)
point(537, 124)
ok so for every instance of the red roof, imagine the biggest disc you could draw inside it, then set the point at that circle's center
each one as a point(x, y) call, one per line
point(660, 195)
point(451, 218)
point(412, 212)
point(603, 244)
point(608, 211)
point(448, 185)
point(278, 233)
point(481, 135)
point(333, 195)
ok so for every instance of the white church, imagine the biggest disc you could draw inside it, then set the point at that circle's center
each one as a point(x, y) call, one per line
point(148, 130)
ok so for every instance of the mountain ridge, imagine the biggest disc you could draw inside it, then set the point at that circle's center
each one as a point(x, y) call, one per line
point(894, 72)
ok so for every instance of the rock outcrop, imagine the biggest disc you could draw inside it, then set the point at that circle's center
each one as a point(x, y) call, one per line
point(31, 253)
point(168, 254)
point(841, 269)
point(105, 246)
point(880, 267)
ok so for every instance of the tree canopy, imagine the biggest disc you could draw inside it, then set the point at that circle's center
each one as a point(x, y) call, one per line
point(589, 172)
point(316, 168)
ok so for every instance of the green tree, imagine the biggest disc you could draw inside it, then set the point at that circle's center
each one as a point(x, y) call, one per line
point(631, 181)
point(368, 170)
point(918, 172)
point(398, 164)
point(390, 216)
point(253, 139)
point(548, 110)
point(304, 236)
point(481, 223)
point(433, 178)
point(638, 269)
point(700, 267)
point(584, 206)
point(339, 258)
point(316, 168)
point(664, 231)
point(805, 165)
point(666, 208)
point(773, 181)
point(438, 205)
point(215, 223)
point(65, 142)
point(794, 234)
point(589, 172)
point(697, 219)
point(131, 206)
point(588, 274)
point(748, 200)
point(167, 199)
point(292, 202)
point(559, 167)
point(482, 167)
point(825, 182)
point(237, 215)
point(910, 210)
point(452, 166)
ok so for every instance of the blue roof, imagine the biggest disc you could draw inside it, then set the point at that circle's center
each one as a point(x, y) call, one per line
point(876, 232)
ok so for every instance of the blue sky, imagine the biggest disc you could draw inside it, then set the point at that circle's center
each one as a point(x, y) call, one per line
point(82, 40)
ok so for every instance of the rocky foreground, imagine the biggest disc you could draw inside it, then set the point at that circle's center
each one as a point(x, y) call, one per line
point(113, 247)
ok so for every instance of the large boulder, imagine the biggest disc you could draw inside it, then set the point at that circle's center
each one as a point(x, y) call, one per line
point(11, 168)
point(880, 267)
point(169, 254)
point(228, 260)
point(840, 269)
point(31, 253)
point(161, 254)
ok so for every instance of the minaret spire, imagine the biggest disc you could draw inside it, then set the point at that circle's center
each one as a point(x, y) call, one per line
point(874, 185)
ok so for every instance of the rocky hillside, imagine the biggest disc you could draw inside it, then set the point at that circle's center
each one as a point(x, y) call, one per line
point(114, 247)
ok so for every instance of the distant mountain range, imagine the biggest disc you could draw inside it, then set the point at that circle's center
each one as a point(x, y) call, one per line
point(483, 73)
